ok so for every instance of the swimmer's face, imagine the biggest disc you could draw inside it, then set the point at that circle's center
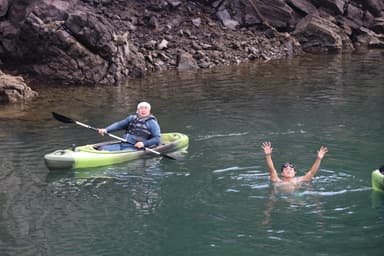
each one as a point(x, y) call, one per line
point(288, 170)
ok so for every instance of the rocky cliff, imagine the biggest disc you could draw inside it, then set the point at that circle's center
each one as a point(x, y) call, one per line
point(109, 41)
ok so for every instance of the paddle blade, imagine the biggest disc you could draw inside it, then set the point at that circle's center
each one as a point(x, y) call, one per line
point(62, 118)
point(160, 154)
point(168, 156)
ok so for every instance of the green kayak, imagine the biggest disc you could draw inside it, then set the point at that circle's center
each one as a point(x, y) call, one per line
point(378, 180)
point(88, 156)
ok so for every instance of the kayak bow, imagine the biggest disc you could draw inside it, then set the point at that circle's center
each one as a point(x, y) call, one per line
point(377, 180)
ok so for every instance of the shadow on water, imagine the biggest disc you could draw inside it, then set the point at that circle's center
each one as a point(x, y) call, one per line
point(378, 200)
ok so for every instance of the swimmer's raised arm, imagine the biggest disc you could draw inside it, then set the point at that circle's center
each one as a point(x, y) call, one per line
point(315, 167)
point(267, 147)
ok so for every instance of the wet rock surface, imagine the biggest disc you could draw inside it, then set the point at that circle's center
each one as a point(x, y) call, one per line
point(13, 89)
point(106, 42)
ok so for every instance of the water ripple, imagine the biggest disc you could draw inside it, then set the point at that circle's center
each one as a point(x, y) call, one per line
point(207, 137)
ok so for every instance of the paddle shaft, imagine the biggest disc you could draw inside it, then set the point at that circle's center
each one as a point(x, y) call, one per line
point(69, 120)
point(109, 134)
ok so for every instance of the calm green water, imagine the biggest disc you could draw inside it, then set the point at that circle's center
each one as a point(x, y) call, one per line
point(217, 199)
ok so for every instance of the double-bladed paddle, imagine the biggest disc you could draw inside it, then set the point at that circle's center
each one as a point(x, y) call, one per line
point(68, 120)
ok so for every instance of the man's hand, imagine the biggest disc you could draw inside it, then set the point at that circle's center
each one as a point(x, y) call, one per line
point(321, 153)
point(139, 144)
point(267, 147)
point(102, 132)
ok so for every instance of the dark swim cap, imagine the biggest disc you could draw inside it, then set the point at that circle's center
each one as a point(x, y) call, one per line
point(288, 165)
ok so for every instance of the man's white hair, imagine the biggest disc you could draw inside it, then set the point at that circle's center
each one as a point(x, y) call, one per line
point(143, 104)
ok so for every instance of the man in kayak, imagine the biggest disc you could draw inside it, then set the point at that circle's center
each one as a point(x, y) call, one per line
point(142, 130)
point(288, 170)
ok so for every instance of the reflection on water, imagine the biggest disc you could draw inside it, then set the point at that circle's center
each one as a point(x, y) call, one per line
point(217, 198)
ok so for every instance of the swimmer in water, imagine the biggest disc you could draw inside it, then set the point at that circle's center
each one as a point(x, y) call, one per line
point(288, 170)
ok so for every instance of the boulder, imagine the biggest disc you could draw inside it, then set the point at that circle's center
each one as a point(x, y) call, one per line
point(226, 19)
point(303, 6)
point(374, 6)
point(277, 14)
point(186, 62)
point(71, 43)
point(13, 89)
point(378, 25)
point(317, 34)
point(336, 7)
point(3, 7)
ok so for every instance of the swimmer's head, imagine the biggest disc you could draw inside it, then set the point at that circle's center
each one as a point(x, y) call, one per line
point(288, 170)
point(288, 165)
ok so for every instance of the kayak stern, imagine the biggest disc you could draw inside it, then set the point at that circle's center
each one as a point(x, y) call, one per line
point(378, 181)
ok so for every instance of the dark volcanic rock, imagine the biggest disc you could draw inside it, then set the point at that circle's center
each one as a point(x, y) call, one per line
point(72, 45)
point(109, 41)
point(318, 34)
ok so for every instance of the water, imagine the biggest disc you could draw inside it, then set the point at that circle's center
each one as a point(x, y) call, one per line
point(217, 199)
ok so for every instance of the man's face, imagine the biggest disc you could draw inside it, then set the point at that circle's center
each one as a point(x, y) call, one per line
point(143, 111)
point(288, 170)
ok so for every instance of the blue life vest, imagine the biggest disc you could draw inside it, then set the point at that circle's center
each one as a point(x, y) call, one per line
point(138, 128)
